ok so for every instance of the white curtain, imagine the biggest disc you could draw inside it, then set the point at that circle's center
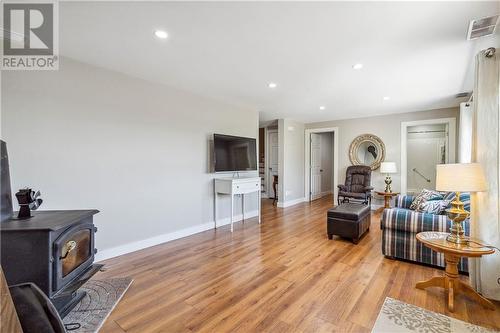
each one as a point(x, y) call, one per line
point(465, 133)
point(485, 223)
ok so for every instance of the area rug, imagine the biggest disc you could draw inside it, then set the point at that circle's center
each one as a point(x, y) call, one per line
point(89, 314)
point(397, 316)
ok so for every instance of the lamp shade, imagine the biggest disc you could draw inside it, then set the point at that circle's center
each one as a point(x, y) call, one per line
point(388, 167)
point(460, 177)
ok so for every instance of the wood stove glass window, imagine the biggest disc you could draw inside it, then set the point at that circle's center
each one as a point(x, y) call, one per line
point(75, 251)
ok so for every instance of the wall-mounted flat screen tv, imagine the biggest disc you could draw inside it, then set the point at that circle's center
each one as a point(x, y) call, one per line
point(234, 153)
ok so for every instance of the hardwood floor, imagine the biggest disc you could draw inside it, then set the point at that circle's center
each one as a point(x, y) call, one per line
point(282, 276)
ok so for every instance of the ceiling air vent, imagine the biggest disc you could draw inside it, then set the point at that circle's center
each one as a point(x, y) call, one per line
point(463, 94)
point(482, 27)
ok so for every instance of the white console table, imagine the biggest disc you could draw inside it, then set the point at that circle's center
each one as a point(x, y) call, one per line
point(236, 186)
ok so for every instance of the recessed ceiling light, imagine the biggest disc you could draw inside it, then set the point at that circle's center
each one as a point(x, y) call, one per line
point(322, 108)
point(161, 34)
point(357, 66)
point(272, 85)
point(386, 98)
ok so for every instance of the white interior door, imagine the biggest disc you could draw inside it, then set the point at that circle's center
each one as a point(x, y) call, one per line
point(315, 166)
point(426, 147)
point(273, 146)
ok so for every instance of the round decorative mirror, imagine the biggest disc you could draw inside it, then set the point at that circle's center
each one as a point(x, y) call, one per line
point(367, 149)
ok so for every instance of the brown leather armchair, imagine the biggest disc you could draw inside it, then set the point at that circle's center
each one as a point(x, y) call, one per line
point(357, 185)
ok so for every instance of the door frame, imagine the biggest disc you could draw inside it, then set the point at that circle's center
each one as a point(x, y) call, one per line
point(266, 162)
point(316, 196)
point(307, 160)
point(452, 138)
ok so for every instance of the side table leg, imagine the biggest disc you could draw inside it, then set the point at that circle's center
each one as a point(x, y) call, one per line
point(471, 293)
point(451, 272)
point(437, 281)
point(451, 296)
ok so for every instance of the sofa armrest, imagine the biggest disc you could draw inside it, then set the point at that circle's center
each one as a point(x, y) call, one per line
point(414, 222)
point(404, 201)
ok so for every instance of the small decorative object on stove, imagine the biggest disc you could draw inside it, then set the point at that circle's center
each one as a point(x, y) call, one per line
point(28, 200)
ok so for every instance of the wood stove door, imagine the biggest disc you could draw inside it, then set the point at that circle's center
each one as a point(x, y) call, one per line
point(73, 253)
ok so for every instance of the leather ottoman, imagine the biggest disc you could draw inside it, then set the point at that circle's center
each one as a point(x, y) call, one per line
point(349, 220)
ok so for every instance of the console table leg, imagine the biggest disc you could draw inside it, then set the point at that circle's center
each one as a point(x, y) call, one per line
point(243, 208)
point(231, 217)
point(259, 202)
point(215, 208)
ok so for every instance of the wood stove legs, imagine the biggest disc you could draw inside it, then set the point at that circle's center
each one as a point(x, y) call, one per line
point(68, 297)
point(66, 303)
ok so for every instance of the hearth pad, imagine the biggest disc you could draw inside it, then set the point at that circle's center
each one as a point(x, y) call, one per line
point(102, 297)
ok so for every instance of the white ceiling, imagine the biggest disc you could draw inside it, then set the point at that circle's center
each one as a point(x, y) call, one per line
point(416, 53)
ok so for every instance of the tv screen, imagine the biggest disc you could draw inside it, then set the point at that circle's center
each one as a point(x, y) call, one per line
point(234, 153)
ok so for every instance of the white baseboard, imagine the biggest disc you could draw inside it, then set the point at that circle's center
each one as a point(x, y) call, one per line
point(290, 202)
point(326, 193)
point(148, 242)
point(375, 206)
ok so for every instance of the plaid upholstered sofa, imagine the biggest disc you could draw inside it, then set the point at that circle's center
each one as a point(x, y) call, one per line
point(401, 224)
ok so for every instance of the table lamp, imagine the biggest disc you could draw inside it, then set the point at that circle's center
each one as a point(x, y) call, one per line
point(388, 168)
point(459, 177)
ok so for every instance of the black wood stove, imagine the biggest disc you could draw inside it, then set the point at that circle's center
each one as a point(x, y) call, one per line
point(53, 249)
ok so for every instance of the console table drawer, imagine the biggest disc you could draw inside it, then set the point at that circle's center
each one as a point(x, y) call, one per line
point(246, 187)
point(234, 187)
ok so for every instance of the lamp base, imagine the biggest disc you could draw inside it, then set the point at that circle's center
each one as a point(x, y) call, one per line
point(388, 182)
point(463, 240)
point(457, 214)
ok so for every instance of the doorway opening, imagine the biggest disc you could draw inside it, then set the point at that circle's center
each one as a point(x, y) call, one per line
point(268, 159)
point(321, 163)
point(424, 145)
point(272, 164)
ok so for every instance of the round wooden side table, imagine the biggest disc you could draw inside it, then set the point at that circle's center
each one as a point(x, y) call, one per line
point(452, 254)
point(387, 197)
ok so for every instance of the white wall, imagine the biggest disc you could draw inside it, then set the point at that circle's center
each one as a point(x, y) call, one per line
point(326, 161)
point(291, 136)
point(137, 151)
point(388, 128)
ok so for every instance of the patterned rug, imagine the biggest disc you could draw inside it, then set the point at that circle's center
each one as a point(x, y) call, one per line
point(396, 316)
point(102, 297)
